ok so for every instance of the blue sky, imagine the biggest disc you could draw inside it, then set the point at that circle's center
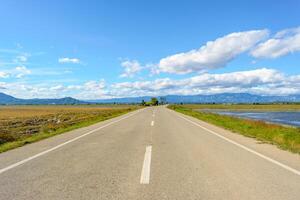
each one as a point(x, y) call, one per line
point(104, 49)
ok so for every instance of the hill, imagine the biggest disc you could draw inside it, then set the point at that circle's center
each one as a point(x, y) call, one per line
point(215, 98)
point(10, 100)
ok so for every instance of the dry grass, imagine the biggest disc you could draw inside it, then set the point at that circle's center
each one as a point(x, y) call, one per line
point(20, 125)
point(34, 111)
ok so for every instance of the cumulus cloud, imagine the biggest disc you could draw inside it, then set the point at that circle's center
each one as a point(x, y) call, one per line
point(93, 90)
point(284, 42)
point(242, 78)
point(69, 60)
point(131, 67)
point(21, 71)
point(94, 85)
point(4, 75)
point(57, 88)
point(261, 81)
point(86, 90)
point(264, 81)
point(214, 54)
point(18, 72)
point(2, 86)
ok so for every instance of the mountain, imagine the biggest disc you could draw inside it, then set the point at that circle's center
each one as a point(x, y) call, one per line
point(215, 98)
point(231, 98)
point(61, 101)
point(10, 100)
point(4, 98)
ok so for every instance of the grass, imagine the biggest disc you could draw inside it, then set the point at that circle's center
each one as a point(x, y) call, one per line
point(287, 138)
point(20, 125)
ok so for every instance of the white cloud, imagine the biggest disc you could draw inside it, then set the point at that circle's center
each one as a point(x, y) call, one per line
point(18, 72)
point(2, 86)
point(57, 88)
point(214, 54)
point(284, 42)
point(261, 81)
point(21, 58)
point(241, 79)
point(93, 90)
point(21, 71)
point(12, 57)
point(69, 60)
point(4, 75)
point(94, 85)
point(87, 90)
point(131, 67)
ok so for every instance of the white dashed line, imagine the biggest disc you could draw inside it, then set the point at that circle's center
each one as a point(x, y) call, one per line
point(145, 175)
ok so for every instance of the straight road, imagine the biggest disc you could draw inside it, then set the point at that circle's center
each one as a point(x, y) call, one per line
point(154, 153)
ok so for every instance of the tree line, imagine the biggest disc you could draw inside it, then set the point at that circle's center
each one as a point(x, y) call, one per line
point(154, 101)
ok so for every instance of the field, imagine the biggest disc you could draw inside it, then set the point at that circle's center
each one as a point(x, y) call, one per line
point(21, 125)
point(287, 138)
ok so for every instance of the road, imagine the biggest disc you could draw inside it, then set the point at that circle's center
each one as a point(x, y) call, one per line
point(153, 153)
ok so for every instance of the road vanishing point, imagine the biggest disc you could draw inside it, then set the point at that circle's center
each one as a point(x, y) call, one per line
point(152, 153)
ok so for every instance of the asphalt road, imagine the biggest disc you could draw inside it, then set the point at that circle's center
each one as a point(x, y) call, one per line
point(154, 153)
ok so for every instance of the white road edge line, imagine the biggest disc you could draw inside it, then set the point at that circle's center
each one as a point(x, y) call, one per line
point(295, 171)
point(152, 123)
point(63, 144)
point(145, 175)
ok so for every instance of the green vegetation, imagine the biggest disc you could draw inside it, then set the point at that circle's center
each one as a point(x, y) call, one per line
point(20, 125)
point(153, 102)
point(287, 138)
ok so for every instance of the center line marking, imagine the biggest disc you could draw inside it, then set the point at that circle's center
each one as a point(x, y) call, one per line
point(145, 175)
point(152, 123)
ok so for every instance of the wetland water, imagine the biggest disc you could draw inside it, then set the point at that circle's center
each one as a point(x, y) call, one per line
point(285, 118)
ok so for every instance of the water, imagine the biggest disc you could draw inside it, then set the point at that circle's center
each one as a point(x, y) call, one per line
point(285, 118)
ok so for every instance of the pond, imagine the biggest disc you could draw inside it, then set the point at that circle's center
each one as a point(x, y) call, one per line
point(285, 118)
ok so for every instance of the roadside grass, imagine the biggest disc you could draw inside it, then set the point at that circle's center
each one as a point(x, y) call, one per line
point(40, 122)
point(287, 138)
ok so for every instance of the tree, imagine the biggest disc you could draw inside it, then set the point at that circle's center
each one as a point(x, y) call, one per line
point(143, 102)
point(163, 100)
point(154, 101)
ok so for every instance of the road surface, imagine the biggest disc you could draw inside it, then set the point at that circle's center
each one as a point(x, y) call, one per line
point(154, 153)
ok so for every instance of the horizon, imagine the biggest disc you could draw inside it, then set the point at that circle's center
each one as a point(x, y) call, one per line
point(158, 96)
point(115, 49)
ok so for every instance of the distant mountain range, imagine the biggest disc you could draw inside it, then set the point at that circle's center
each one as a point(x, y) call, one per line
point(10, 100)
point(215, 98)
